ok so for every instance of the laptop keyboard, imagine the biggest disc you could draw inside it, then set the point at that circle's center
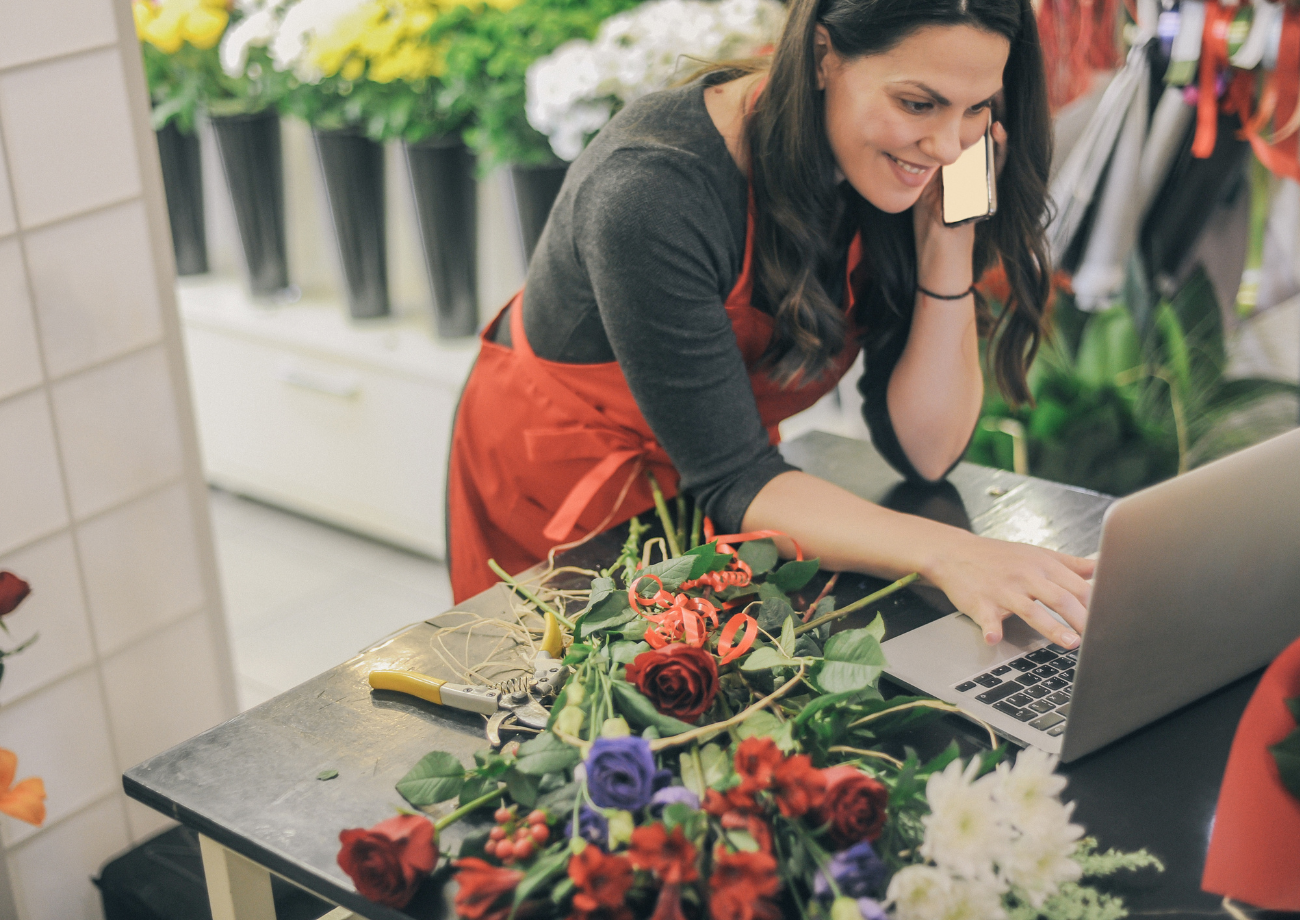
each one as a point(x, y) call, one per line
point(1034, 688)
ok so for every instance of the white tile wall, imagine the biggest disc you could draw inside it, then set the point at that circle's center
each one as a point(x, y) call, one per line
point(141, 566)
point(93, 283)
point(65, 742)
point(25, 33)
point(20, 363)
point(8, 223)
point(68, 133)
point(118, 430)
point(163, 690)
point(52, 871)
point(31, 494)
point(55, 610)
point(144, 822)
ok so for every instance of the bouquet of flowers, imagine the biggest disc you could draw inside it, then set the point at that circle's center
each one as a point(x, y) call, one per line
point(574, 91)
point(716, 751)
point(180, 40)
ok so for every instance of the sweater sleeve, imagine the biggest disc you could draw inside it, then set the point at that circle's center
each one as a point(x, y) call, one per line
point(653, 236)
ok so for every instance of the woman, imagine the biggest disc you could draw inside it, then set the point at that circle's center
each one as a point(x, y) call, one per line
point(711, 265)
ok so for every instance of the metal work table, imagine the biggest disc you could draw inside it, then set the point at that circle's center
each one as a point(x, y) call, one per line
point(250, 787)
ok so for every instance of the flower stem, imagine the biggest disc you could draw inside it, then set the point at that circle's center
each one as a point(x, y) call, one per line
point(924, 704)
point(862, 752)
point(661, 508)
point(529, 595)
point(704, 731)
point(697, 520)
point(858, 604)
point(485, 799)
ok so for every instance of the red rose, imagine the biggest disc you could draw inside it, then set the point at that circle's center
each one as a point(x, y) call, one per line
point(389, 861)
point(670, 856)
point(483, 891)
point(756, 761)
point(855, 806)
point(13, 590)
point(680, 680)
point(797, 786)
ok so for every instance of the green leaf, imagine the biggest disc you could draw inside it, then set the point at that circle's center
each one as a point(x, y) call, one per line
point(766, 658)
point(770, 591)
point(522, 787)
point(437, 777)
point(625, 652)
point(548, 866)
point(787, 640)
point(578, 653)
point(635, 630)
point(760, 555)
point(1294, 706)
point(692, 774)
point(475, 786)
point(559, 801)
point(852, 661)
point(612, 613)
point(707, 559)
point(828, 700)
point(794, 575)
point(717, 765)
point(601, 588)
point(327, 774)
point(773, 612)
point(641, 713)
point(1287, 754)
point(672, 572)
point(876, 628)
point(761, 724)
point(546, 754)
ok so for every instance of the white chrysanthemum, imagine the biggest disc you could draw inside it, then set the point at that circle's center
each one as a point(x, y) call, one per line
point(256, 30)
point(1028, 792)
point(963, 833)
point(918, 892)
point(303, 20)
point(1041, 857)
point(578, 87)
point(972, 899)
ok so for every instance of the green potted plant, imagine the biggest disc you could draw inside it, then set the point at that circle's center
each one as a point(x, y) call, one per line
point(487, 62)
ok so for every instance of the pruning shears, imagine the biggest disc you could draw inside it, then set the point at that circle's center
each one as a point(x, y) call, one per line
point(516, 705)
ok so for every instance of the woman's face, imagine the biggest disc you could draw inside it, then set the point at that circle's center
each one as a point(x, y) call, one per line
point(894, 118)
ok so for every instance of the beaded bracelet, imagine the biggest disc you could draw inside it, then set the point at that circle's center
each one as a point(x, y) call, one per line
point(964, 294)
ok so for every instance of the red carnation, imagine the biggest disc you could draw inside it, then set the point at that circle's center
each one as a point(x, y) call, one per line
point(797, 786)
point(752, 873)
point(756, 760)
point(602, 879)
point(679, 680)
point(752, 824)
point(855, 806)
point(388, 862)
point(670, 856)
point(718, 804)
point(735, 904)
point(13, 591)
point(484, 892)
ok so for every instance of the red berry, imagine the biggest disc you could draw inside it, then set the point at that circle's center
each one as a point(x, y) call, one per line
point(505, 850)
point(502, 815)
point(522, 834)
point(523, 849)
point(490, 848)
point(497, 833)
point(537, 816)
point(541, 833)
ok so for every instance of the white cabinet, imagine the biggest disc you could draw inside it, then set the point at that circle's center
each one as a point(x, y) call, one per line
point(348, 422)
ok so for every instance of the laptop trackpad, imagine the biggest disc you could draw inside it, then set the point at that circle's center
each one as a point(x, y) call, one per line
point(951, 649)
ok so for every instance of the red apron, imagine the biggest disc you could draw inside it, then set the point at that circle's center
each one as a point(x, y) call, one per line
point(545, 452)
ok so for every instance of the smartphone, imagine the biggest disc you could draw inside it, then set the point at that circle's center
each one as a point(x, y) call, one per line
point(970, 189)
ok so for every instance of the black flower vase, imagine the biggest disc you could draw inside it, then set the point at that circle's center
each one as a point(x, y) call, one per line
point(535, 189)
point(251, 159)
point(446, 203)
point(182, 173)
point(353, 167)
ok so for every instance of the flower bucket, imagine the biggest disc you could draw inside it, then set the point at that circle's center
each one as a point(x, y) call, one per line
point(535, 188)
point(251, 159)
point(446, 204)
point(182, 174)
point(353, 167)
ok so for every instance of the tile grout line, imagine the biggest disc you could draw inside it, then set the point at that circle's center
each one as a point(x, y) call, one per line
point(8, 69)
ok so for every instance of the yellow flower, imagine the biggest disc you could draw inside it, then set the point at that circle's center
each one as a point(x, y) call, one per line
point(353, 69)
point(204, 27)
point(169, 24)
point(143, 12)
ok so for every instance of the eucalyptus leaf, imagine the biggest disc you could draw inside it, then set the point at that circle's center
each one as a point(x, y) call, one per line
point(327, 774)
point(640, 712)
point(437, 777)
point(794, 575)
point(760, 555)
point(546, 754)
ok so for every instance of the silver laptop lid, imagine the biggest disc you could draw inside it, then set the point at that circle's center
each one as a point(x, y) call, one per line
point(1198, 584)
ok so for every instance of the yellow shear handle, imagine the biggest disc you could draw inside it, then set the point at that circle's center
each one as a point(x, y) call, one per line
point(552, 639)
point(421, 686)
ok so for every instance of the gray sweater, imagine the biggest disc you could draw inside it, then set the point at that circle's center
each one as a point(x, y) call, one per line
point(645, 242)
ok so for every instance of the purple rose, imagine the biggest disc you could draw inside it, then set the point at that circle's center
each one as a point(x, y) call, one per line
point(621, 773)
point(671, 795)
point(858, 872)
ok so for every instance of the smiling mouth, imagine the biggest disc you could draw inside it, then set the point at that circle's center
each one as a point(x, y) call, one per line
point(908, 167)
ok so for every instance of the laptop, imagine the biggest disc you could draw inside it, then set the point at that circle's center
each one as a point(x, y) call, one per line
point(1197, 584)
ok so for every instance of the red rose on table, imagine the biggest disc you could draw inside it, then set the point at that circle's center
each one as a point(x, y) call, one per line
point(855, 806)
point(680, 680)
point(388, 862)
point(13, 590)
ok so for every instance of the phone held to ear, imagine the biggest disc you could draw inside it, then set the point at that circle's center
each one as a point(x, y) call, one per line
point(970, 189)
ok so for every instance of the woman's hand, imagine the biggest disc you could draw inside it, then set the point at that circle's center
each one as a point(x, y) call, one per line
point(990, 580)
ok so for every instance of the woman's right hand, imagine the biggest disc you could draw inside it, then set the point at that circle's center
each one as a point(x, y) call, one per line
point(990, 580)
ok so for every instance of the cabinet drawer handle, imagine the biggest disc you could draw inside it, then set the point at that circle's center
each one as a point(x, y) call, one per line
point(344, 386)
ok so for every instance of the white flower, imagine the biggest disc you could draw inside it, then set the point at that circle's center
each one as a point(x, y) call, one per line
point(963, 833)
point(1038, 863)
point(918, 892)
point(1029, 788)
point(305, 19)
point(255, 30)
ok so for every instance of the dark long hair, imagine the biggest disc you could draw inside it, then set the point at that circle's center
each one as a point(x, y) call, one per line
point(798, 204)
